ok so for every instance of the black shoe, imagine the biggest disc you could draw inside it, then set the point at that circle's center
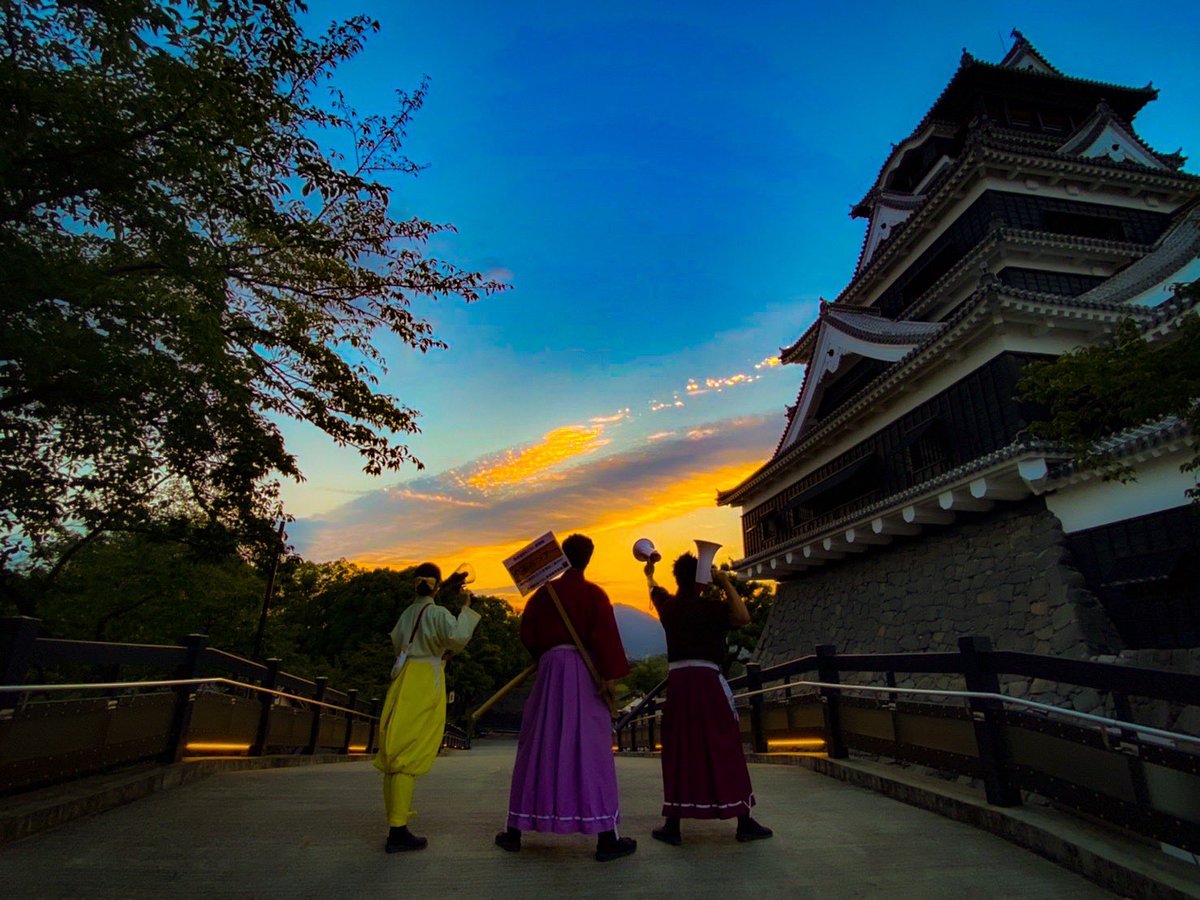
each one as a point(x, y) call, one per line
point(609, 850)
point(667, 836)
point(752, 831)
point(401, 840)
point(506, 840)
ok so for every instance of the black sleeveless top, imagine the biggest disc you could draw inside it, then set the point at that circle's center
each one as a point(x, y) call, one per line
point(695, 625)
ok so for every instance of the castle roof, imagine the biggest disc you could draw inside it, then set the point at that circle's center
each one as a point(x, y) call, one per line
point(1022, 71)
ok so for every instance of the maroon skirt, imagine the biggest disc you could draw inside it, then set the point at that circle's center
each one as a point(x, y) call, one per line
point(704, 768)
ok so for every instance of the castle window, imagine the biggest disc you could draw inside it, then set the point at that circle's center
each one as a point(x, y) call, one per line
point(923, 451)
point(1083, 225)
point(1020, 116)
point(1049, 282)
point(1054, 120)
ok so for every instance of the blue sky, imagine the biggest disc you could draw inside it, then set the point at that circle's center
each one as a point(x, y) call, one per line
point(666, 186)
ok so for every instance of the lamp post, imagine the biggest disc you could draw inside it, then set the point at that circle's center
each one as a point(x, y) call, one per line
point(262, 619)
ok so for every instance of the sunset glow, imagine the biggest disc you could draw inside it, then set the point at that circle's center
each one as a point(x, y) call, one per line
point(557, 447)
point(672, 515)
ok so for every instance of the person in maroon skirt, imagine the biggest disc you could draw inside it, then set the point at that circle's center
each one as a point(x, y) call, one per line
point(704, 767)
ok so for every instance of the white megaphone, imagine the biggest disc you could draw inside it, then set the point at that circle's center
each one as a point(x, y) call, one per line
point(706, 552)
point(643, 551)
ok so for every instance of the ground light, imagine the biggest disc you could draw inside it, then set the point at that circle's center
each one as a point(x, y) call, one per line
point(206, 747)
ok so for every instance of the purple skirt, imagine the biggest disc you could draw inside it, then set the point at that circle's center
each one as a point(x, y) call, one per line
point(564, 779)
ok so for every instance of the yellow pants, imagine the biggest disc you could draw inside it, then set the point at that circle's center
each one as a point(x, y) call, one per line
point(410, 733)
point(397, 798)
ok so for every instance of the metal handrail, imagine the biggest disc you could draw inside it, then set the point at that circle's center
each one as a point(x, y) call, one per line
point(176, 682)
point(980, 695)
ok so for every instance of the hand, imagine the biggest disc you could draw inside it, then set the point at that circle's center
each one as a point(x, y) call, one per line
point(466, 599)
point(720, 576)
point(455, 581)
point(649, 568)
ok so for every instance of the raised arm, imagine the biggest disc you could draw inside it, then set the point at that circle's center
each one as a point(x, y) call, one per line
point(649, 570)
point(739, 615)
point(455, 631)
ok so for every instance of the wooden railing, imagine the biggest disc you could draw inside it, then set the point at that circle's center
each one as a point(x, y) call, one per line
point(197, 700)
point(1134, 776)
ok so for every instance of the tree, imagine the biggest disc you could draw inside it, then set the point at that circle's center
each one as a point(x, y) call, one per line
point(494, 655)
point(644, 675)
point(334, 618)
point(131, 587)
point(1096, 392)
point(185, 260)
point(759, 599)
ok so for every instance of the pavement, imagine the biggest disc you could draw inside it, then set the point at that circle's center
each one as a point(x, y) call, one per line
point(318, 831)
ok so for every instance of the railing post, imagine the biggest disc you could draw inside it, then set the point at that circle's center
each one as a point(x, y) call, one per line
point(351, 699)
point(17, 637)
point(754, 682)
point(986, 717)
point(318, 694)
point(831, 701)
point(1129, 738)
point(185, 698)
point(651, 721)
point(267, 703)
point(372, 730)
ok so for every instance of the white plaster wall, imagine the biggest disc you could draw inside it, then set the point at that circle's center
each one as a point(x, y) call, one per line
point(1160, 485)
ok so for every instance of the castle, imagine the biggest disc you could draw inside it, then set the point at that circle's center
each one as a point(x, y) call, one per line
point(906, 503)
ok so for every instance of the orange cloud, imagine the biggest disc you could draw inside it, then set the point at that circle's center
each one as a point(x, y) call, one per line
point(619, 416)
point(518, 466)
point(658, 405)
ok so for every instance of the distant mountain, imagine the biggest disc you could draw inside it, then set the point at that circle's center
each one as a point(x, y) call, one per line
point(642, 634)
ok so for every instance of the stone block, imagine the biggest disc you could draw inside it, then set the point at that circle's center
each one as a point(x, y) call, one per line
point(1088, 700)
point(1188, 721)
point(1062, 616)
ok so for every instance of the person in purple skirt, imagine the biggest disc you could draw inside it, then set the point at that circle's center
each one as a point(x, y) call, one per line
point(703, 765)
point(564, 778)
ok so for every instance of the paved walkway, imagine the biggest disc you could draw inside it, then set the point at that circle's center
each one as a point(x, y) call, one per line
point(318, 832)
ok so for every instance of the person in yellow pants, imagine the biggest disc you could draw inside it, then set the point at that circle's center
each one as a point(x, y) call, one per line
point(414, 712)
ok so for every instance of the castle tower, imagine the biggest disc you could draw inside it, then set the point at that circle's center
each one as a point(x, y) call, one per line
point(906, 504)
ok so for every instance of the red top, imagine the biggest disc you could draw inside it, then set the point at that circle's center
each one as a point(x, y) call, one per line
point(592, 615)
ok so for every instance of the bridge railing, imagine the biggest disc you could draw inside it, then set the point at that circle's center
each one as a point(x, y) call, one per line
point(203, 701)
point(1134, 776)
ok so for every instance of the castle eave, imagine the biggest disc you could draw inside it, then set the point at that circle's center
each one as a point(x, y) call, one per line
point(1009, 475)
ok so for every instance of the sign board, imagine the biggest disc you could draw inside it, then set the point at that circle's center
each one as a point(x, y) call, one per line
point(535, 564)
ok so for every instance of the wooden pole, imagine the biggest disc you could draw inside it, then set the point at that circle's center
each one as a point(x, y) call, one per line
point(500, 694)
point(587, 657)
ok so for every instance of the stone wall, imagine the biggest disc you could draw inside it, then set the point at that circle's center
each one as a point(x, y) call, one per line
point(1006, 574)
